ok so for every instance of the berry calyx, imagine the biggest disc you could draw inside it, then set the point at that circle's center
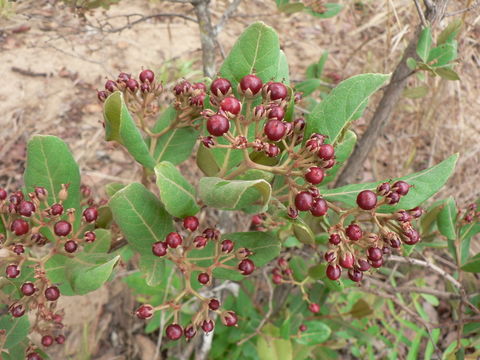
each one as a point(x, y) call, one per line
point(303, 201)
point(17, 310)
point(227, 246)
point(330, 256)
point(90, 214)
point(217, 125)
point(275, 130)
point(12, 271)
point(214, 304)
point(47, 340)
point(174, 331)
point(189, 332)
point(28, 289)
point(19, 227)
point(191, 223)
point(383, 189)
point(52, 293)
point(174, 240)
point(203, 278)
point(26, 208)
point(220, 87)
point(200, 242)
point(401, 188)
point(319, 207)
point(89, 236)
point(229, 318)
point(208, 326)
point(315, 175)
point(326, 152)
point(62, 228)
point(246, 267)
point(147, 75)
point(334, 272)
point(314, 308)
point(159, 248)
point(367, 200)
point(353, 232)
point(71, 246)
point(144, 312)
point(231, 105)
point(18, 249)
point(277, 91)
point(251, 83)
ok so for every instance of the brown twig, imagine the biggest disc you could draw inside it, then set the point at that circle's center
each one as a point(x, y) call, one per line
point(458, 12)
point(28, 72)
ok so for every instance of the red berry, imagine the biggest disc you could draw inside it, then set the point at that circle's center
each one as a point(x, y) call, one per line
point(299, 124)
point(71, 246)
point(319, 207)
point(334, 272)
point(246, 267)
point(276, 112)
point(363, 265)
point(220, 87)
point(123, 77)
point(257, 220)
point(303, 328)
point(275, 130)
point(12, 271)
point(200, 242)
point(182, 87)
point(90, 236)
point(292, 213)
point(17, 310)
point(190, 223)
point(60, 339)
point(277, 91)
point(207, 325)
point(3, 194)
point(189, 332)
point(315, 175)
point(403, 216)
point(326, 152)
point(174, 331)
point(210, 233)
point(346, 261)
point(26, 208)
point(199, 86)
point(208, 142)
point(411, 237)
point(229, 318)
point(19, 227)
point(334, 239)
point(18, 249)
point(231, 105)
point(90, 214)
point(110, 85)
point(56, 209)
point(52, 293)
point(303, 201)
point(355, 275)
point(416, 212)
point(353, 232)
point(159, 248)
point(393, 198)
point(217, 125)
point(28, 289)
point(272, 150)
point(330, 256)
point(144, 88)
point(227, 246)
point(401, 188)
point(146, 75)
point(252, 83)
point(314, 308)
point(203, 278)
point(62, 228)
point(144, 311)
point(47, 340)
point(174, 240)
point(277, 279)
point(383, 189)
point(367, 200)
point(132, 85)
point(214, 304)
point(374, 253)
point(377, 263)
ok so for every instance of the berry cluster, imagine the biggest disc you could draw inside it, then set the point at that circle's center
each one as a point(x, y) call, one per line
point(29, 220)
point(178, 248)
point(370, 235)
point(471, 214)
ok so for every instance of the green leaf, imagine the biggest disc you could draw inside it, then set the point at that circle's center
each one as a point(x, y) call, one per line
point(317, 333)
point(424, 43)
point(450, 32)
point(251, 195)
point(343, 150)
point(206, 161)
point(318, 272)
point(411, 63)
point(331, 10)
point(50, 164)
point(265, 247)
point(120, 127)
point(447, 219)
point(442, 54)
point(143, 220)
point(283, 72)
point(308, 86)
point(291, 8)
point(472, 264)
point(342, 105)
point(176, 193)
point(256, 50)
point(425, 184)
point(447, 74)
point(85, 272)
point(270, 348)
point(315, 70)
point(112, 188)
point(466, 234)
point(16, 330)
point(175, 145)
point(416, 92)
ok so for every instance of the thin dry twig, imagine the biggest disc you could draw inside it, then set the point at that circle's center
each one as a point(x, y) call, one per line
point(420, 13)
point(458, 12)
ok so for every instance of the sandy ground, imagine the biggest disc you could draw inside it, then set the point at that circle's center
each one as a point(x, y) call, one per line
point(51, 71)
